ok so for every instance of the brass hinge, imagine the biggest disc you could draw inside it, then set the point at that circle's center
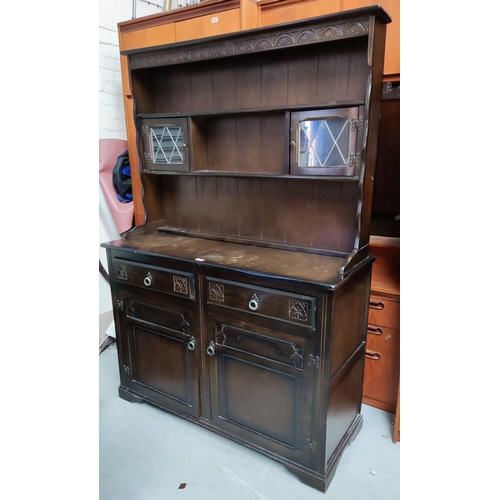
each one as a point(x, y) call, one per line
point(126, 369)
point(311, 445)
point(354, 160)
point(313, 361)
point(357, 124)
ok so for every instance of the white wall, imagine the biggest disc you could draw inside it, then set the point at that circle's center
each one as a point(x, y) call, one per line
point(111, 113)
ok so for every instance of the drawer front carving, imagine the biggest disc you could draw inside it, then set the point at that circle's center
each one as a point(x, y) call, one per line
point(383, 312)
point(274, 304)
point(265, 346)
point(155, 278)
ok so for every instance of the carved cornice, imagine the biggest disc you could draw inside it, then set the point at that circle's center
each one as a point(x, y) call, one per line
point(268, 41)
point(179, 56)
point(299, 37)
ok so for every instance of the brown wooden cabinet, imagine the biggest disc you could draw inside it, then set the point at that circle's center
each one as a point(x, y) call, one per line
point(381, 379)
point(242, 303)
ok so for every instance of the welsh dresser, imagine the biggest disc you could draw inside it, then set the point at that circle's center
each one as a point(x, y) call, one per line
point(241, 303)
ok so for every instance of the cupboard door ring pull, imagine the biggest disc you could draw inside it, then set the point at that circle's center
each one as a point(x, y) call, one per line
point(253, 305)
point(211, 349)
point(192, 344)
point(377, 305)
point(372, 355)
point(148, 280)
point(375, 330)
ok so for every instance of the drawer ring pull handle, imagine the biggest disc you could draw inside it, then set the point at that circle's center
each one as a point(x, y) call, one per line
point(372, 355)
point(253, 305)
point(211, 349)
point(377, 305)
point(375, 330)
point(192, 344)
point(148, 280)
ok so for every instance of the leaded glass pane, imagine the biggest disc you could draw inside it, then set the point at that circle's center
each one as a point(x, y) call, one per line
point(324, 143)
point(168, 144)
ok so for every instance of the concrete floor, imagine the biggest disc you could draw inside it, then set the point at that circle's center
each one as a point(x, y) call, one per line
point(146, 454)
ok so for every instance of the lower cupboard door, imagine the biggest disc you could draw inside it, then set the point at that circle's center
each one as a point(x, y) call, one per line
point(262, 389)
point(162, 343)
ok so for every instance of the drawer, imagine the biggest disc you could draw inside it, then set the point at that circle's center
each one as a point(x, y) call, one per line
point(382, 367)
point(260, 301)
point(154, 278)
point(383, 312)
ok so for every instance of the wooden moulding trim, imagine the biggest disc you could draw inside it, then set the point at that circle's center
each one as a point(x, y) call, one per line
point(181, 14)
point(271, 4)
point(314, 30)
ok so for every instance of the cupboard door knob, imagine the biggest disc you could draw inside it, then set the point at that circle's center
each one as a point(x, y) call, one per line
point(253, 305)
point(192, 344)
point(148, 280)
point(211, 349)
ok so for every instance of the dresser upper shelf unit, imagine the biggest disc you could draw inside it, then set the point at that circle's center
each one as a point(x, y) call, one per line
point(247, 127)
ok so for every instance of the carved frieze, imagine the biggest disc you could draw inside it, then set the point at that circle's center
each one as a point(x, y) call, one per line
point(309, 35)
point(177, 56)
point(323, 33)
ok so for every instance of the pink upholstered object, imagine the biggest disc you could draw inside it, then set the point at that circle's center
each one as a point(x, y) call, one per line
point(123, 213)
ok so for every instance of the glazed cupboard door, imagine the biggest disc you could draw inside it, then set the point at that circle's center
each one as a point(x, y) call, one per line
point(261, 387)
point(158, 349)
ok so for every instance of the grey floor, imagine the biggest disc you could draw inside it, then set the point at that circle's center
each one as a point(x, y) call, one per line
point(146, 454)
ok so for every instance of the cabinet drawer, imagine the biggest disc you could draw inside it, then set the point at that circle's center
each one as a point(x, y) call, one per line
point(274, 304)
point(382, 368)
point(154, 278)
point(383, 312)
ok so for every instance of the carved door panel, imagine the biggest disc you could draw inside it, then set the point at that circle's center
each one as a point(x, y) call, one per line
point(158, 346)
point(262, 387)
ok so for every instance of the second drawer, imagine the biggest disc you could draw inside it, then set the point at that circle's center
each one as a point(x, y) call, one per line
point(267, 302)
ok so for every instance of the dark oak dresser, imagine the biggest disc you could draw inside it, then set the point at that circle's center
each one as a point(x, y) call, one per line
point(241, 303)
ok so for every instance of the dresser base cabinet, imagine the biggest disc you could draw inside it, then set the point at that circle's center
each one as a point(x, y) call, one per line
point(274, 364)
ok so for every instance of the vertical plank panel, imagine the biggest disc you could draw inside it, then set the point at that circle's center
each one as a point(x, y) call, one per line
point(249, 213)
point(199, 158)
point(180, 84)
point(275, 143)
point(163, 91)
point(206, 189)
point(273, 210)
point(333, 73)
point(188, 203)
point(201, 87)
point(227, 206)
point(299, 206)
point(248, 77)
point(248, 144)
point(171, 202)
point(358, 68)
point(302, 78)
point(221, 144)
point(347, 209)
point(275, 80)
point(325, 224)
point(224, 85)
